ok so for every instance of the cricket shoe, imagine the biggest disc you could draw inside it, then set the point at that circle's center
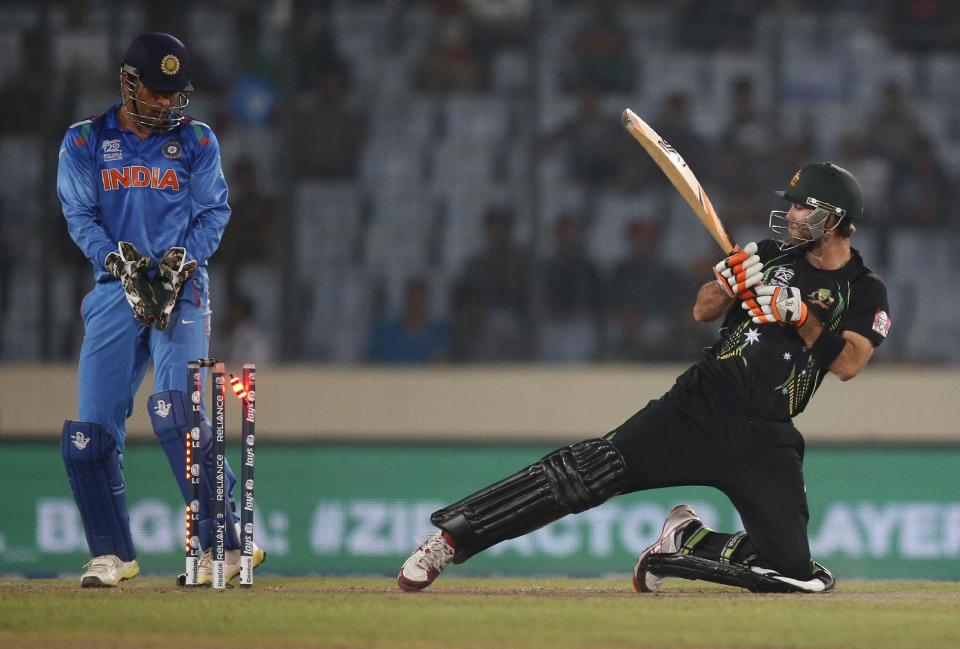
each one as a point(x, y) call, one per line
point(231, 564)
point(821, 581)
point(678, 520)
point(107, 571)
point(424, 565)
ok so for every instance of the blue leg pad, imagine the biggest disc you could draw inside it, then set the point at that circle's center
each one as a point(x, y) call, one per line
point(93, 467)
point(170, 414)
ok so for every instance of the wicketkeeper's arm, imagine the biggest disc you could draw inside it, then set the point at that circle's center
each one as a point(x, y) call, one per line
point(208, 195)
point(77, 180)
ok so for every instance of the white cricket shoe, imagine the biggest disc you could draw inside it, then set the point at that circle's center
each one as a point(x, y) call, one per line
point(424, 565)
point(231, 564)
point(107, 571)
point(670, 541)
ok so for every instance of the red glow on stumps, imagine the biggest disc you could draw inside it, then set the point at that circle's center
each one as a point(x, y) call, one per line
point(238, 388)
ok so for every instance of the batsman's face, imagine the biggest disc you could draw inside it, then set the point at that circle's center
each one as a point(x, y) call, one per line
point(798, 218)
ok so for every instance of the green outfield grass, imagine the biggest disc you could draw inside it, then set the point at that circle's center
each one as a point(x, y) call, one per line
point(501, 613)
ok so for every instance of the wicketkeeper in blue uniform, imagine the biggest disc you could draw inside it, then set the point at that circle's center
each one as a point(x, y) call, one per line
point(146, 201)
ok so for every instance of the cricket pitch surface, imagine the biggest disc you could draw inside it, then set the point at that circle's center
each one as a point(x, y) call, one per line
point(528, 613)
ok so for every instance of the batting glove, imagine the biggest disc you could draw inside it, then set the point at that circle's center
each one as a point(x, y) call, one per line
point(130, 267)
point(781, 304)
point(172, 272)
point(739, 272)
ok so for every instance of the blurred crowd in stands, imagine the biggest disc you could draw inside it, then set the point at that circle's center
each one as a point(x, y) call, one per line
point(428, 181)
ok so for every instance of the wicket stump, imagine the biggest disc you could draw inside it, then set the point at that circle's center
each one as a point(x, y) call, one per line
point(246, 391)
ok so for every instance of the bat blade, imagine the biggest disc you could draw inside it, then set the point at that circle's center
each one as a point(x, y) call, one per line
point(675, 168)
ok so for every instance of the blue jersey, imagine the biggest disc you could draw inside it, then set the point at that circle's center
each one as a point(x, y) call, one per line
point(164, 191)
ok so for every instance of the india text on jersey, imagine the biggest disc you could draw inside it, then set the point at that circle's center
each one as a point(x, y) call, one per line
point(138, 176)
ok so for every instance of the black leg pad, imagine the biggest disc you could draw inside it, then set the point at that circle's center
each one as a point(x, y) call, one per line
point(567, 481)
point(688, 566)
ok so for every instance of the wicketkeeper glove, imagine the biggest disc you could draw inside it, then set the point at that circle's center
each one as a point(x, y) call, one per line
point(739, 272)
point(172, 272)
point(130, 267)
point(782, 304)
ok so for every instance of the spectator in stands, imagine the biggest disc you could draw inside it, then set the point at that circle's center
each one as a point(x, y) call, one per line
point(922, 26)
point(414, 338)
point(451, 64)
point(333, 133)
point(740, 160)
point(253, 97)
point(315, 47)
point(244, 341)
point(894, 118)
point(674, 123)
point(919, 185)
point(572, 298)
point(921, 189)
point(491, 300)
point(6, 266)
point(601, 53)
point(747, 129)
point(875, 174)
point(81, 50)
point(481, 334)
point(707, 25)
point(22, 97)
point(255, 224)
point(173, 16)
point(873, 171)
point(497, 24)
point(596, 151)
point(646, 309)
point(500, 269)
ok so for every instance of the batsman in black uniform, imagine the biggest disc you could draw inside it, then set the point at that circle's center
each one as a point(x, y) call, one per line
point(793, 310)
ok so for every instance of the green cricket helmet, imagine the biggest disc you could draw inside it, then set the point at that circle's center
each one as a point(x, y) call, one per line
point(830, 190)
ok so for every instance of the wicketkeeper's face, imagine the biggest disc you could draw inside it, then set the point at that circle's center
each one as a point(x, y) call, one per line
point(155, 103)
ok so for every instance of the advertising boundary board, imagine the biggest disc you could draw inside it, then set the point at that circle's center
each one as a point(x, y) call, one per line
point(879, 512)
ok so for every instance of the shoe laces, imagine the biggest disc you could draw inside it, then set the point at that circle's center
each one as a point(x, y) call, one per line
point(105, 562)
point(436, 554)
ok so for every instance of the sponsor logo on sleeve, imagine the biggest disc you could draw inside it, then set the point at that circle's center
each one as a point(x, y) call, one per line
point(881, 323)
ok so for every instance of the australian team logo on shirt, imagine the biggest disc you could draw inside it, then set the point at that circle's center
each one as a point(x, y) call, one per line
point(139, 176)
point(822, 297)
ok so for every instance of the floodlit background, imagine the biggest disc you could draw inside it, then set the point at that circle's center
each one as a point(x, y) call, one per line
point(447, 183)
point(462, 162)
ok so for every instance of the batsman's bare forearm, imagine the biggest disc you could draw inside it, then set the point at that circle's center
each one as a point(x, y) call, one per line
point(712, 302)
point(856, 352)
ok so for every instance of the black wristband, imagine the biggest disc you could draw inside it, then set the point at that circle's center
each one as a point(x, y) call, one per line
point(827, 347)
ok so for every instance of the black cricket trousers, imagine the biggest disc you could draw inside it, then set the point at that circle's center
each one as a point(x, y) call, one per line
point(700, 434)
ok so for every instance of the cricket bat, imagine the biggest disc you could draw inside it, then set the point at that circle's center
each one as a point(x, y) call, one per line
point(673, 166)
